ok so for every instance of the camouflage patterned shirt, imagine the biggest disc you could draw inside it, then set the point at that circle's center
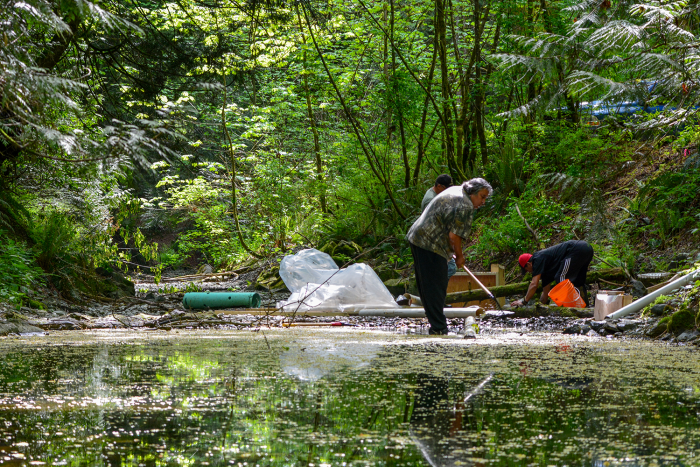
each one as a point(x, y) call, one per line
point(450, 211)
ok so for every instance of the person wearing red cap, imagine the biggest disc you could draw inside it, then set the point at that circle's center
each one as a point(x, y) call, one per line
point(568, 260)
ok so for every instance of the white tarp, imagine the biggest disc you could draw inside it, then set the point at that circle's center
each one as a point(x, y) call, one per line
point(316, 283)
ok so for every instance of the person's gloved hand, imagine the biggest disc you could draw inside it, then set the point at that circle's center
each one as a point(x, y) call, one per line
point(517, 303)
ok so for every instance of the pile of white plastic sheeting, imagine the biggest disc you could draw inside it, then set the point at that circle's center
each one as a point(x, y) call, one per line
point(316, 282)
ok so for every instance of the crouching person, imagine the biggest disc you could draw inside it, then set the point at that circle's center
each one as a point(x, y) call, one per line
point(568, 260)
point(436, 236)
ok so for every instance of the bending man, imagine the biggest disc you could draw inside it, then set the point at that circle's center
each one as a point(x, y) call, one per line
point(442, 183)
point(568, 260)
point(436, 236)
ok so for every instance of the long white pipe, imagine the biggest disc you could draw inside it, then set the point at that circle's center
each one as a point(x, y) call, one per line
point(647, 299)
point(407, 312)
point(420, 312)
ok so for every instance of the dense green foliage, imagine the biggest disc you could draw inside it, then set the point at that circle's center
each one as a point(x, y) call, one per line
point(17, 270)
point(173, 134)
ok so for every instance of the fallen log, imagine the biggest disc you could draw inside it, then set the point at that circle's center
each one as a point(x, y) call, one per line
point(498, 291)
point(200, 276)
point(10, 328)
point(58, 324)
point(614, 274)
point(521, 287)
point(539, 311)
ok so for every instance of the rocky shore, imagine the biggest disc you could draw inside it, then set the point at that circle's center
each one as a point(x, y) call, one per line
point(141, 303)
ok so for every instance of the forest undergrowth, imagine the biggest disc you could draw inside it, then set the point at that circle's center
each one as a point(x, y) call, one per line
point(636, 201)
point(149, 138)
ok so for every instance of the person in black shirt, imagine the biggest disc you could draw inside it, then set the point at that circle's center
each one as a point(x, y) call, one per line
point(568, 260)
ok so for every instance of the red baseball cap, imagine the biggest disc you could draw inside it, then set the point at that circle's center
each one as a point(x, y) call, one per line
point(524, 258)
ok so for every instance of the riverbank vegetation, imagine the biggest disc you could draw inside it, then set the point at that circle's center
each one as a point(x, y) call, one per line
point(145, 136)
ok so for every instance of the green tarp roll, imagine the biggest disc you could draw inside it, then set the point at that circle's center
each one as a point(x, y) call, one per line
point(214, 300)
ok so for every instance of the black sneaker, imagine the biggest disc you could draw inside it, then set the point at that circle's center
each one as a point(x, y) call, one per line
point(437, 332)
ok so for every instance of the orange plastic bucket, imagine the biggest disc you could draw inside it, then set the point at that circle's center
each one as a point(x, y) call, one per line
point(565, 294)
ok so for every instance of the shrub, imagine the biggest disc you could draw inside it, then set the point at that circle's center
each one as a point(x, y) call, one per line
point(507, 233)
point(54, 238)
point(670, 201)
point(17, 270)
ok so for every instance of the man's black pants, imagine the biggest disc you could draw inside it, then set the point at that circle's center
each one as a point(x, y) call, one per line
point(431, 277)
point(575, 267)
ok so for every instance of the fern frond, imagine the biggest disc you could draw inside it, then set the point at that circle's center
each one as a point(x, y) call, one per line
point(580, 7)
point(657, 64)
point(566, 186)
point(655, 11)
point(692, 62)
point(545, 100)
point(619, 35)
point(676, 33)
point(510, 61)
point(583, 83)
point(669, 118)
point(42, 13)
point(543, 41)
point(106, 19)
point(589, 19)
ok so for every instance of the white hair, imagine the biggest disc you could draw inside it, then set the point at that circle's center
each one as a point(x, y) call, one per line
point(475, 185)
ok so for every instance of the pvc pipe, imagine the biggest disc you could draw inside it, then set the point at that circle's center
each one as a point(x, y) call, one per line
point(420, 312)
point(649, 298)
point(407, 312)
point(214, 300)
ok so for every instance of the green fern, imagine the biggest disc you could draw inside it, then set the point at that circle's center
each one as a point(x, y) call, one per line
point(508, 167)
point(13, 216)
point(613, 52)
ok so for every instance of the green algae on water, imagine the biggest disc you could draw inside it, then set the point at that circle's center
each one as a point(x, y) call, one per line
point(346, 397)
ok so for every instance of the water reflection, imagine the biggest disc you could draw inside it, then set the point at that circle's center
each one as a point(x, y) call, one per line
point(436, 423)
point(346, 398)
point(311, 361)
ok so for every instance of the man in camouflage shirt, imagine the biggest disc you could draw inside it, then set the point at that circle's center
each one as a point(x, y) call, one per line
point(436, 236)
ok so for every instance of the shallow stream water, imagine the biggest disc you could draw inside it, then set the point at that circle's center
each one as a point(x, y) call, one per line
point(341, 397)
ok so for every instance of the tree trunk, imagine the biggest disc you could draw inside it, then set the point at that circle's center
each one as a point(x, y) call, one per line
point(398, 101)
point(314, 128)
point(478, 84)
point(422, 145)
point(232, 156)
point(441, 34)
point(367, 150)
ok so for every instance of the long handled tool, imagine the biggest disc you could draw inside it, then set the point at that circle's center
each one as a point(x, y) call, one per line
point(488, 292)
point(335, 323)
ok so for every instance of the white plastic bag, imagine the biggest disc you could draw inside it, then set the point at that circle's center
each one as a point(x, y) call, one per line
point(307, 266)
point(317, 283)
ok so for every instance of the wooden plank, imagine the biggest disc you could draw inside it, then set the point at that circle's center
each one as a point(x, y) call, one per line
point(500, 272)
point(462, 282)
